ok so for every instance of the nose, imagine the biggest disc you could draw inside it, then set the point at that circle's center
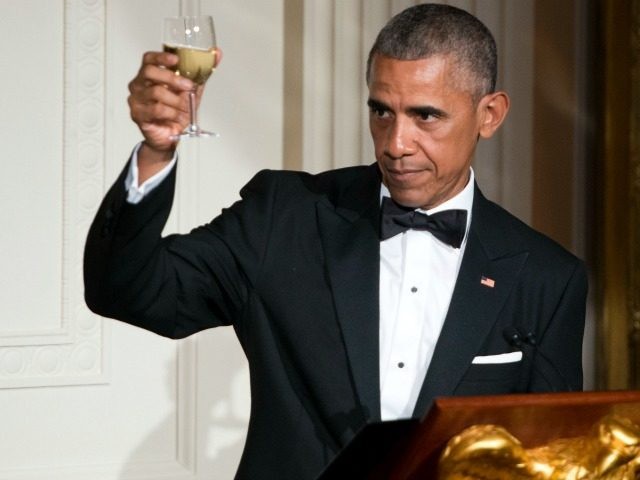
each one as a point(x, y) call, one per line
point(400, 140)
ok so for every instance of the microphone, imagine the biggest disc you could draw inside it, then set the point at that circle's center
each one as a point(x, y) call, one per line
point(529, 346)
point(512, 336)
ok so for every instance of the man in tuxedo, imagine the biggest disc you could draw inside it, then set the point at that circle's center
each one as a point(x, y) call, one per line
point(357, 294)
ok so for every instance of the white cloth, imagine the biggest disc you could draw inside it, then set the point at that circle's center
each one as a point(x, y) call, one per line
point(417, 276)
point(135, 192)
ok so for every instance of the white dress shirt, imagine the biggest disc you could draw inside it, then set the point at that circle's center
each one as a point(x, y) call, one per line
point(417, 275)
point(135, 192)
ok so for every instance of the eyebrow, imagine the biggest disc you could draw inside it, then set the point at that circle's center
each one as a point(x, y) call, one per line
point(427, 111)
point(377, 105)
point(420, 111)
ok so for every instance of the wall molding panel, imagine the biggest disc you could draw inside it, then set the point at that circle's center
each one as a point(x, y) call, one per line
point(73, 352)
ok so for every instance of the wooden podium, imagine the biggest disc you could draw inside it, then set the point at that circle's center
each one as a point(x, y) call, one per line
point(409, 449)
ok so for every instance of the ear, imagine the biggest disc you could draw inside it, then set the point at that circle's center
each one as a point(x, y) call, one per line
point(492, 110)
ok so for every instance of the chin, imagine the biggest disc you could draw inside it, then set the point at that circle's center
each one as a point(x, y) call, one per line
point(408, 200)
point(410, 194)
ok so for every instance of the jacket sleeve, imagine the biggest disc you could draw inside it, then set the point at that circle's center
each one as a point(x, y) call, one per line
point(180, 284)
point(557, 353)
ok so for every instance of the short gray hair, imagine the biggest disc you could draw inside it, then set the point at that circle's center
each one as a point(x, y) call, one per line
point(433, 29)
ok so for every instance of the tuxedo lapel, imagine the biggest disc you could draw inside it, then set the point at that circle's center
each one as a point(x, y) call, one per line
point(475, 304)
point(349, 233)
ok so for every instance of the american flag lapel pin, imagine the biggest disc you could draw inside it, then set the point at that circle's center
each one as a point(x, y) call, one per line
point(487, 282)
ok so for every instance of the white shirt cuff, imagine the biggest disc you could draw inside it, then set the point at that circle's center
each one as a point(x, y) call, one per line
point(135, 192)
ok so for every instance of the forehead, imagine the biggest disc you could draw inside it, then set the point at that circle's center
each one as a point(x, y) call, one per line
point(431, 76)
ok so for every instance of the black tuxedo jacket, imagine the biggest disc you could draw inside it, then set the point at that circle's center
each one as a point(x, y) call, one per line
point(294, 268)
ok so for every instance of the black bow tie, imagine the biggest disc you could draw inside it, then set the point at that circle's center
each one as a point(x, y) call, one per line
point(448, 226)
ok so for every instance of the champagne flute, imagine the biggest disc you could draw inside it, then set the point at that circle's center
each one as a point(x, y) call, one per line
point(193, 40)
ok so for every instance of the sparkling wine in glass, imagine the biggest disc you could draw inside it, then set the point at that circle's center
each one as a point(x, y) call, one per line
point(193, 40)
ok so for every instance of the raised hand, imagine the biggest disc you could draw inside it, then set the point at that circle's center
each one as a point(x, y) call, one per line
point(159, 101)
point(159, 105)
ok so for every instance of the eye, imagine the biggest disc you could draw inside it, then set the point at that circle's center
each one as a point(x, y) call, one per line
point(426, 116)
point(379, 112)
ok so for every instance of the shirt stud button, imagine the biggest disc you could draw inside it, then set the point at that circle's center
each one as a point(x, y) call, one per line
point(401, 365)
point(414, 289)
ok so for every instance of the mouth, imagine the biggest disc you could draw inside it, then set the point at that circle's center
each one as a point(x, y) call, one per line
point(403, 175)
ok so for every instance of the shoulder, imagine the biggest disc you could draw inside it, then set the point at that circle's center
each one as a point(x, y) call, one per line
point(289, 183)
point(498, 227)
point(547, 272)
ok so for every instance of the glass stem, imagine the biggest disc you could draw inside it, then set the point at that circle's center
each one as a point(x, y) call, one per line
point(193, 111)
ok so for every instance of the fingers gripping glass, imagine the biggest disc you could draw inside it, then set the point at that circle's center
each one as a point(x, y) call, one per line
point(193, 40)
